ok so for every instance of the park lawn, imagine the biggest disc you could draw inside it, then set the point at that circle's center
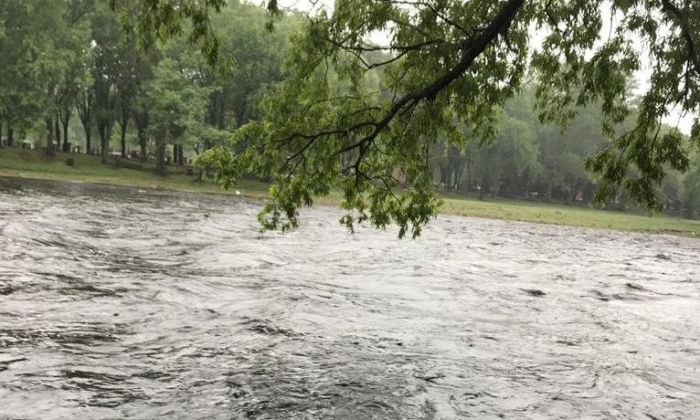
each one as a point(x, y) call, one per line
point(535, 212)
point(36, 165)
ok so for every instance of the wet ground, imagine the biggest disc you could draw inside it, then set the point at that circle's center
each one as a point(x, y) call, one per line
point(120, 303)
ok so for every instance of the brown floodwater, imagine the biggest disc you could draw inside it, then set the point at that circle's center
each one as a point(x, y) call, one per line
point(122, 303)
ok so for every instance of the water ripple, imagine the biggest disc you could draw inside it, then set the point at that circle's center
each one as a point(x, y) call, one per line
point(122, 303)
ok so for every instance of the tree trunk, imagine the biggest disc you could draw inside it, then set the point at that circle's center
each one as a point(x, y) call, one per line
point(141, 122)
point(179, 155)
point(123, 126)
point(160, 157)
point(88, 138)
point(1, 135)
point(469, 173)
point(103, 143)
point(66, 146)
point(142, 143)
point(105, 132)
point(177, 151)
point(10, 136)
point(49, 136)
point(57, 127)
point(454, 174)
point(443, 176)
point(85, 112)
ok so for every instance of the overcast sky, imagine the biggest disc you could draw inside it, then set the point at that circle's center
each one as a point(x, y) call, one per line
point(684, 122)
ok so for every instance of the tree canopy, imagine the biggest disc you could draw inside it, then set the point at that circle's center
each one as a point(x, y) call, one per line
point(447, 69)
point(370, 97)
point(66, 58)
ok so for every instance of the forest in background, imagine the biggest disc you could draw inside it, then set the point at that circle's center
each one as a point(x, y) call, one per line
point(74, 81)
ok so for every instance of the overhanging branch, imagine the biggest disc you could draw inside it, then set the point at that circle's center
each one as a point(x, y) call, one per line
point(473, 50)
point(681, 19)
point(474, 47)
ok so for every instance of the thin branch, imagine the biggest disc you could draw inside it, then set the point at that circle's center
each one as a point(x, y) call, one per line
point(406, 104)
point(682, 20)
point(435, 12)
point(499, 24)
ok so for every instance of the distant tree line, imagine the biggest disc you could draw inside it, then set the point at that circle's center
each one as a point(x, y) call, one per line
point(529, 160)
point(68, 60)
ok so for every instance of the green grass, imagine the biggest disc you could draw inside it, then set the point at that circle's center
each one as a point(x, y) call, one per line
point(36, 165)
point(526, 211)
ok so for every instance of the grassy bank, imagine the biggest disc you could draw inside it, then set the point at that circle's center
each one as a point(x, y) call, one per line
point(36, 165)
point(571, 216)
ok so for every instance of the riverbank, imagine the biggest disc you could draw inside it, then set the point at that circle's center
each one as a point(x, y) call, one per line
point(32, 164)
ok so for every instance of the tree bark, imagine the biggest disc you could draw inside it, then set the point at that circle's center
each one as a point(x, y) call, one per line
point(160, 158)
point(66, 146)
point(142, 143)
point(178, 155)
point(123, 125)
point(10, 136)
point(443, 176)
point(88, 138)
point(57, 127)
point(141, 119)
point(105, 132)
point(85, 112)
point(468, 181)
point(1, 135)
point(50, 130)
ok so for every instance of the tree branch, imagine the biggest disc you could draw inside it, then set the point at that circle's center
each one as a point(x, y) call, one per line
point(682, 20)
point(474, 47)
point(473, 50)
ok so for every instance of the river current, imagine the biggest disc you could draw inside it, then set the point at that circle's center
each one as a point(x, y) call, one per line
point(123, 303)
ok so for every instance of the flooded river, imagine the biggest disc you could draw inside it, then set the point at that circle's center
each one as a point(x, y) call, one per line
point(120, 303)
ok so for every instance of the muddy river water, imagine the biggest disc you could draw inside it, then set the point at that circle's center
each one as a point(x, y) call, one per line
point(120, 303)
